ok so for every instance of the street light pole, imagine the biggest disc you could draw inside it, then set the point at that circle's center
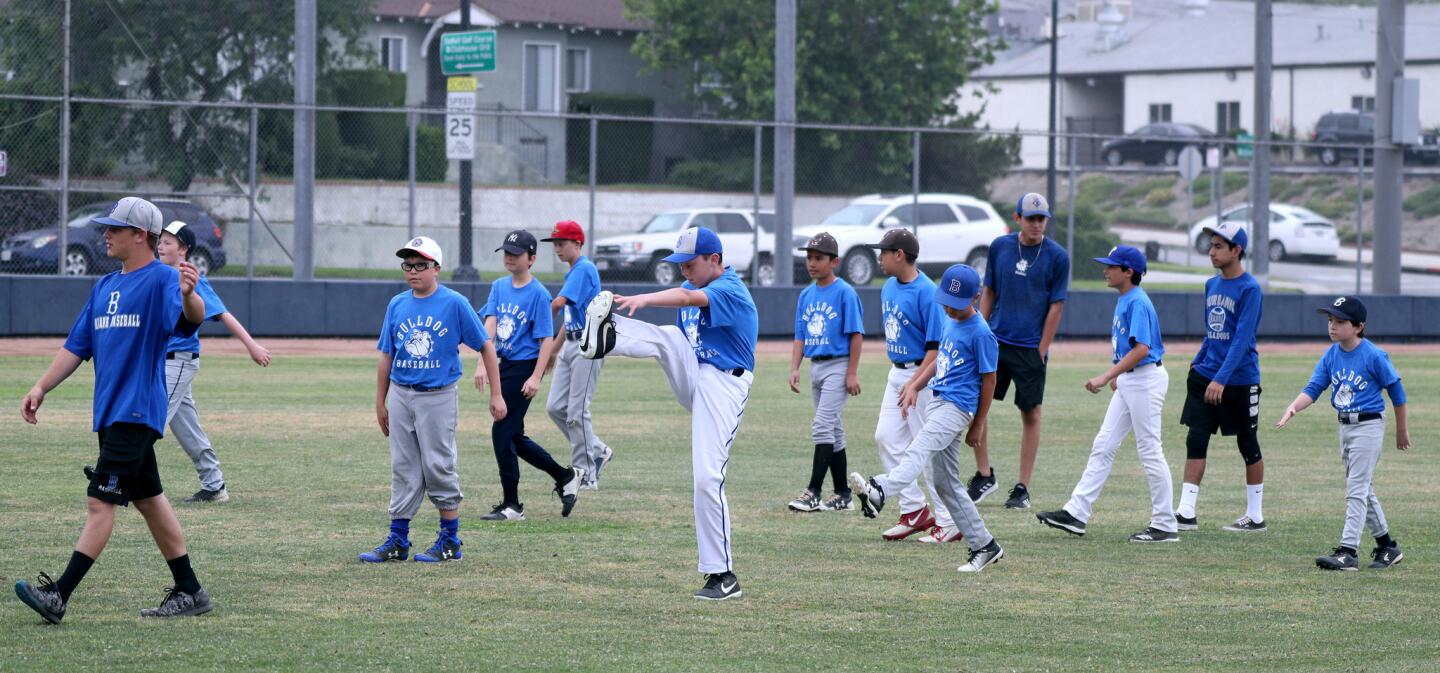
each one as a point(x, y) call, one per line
point(466, 271)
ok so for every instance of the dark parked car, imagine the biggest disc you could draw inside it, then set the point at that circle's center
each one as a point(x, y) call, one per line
point(1351, 128)
point(35, 251)
point(1158, 143)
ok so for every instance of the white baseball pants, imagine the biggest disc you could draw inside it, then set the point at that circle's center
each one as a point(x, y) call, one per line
point(893, 433)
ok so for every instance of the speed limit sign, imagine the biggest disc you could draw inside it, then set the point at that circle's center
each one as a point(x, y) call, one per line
point(460, 137)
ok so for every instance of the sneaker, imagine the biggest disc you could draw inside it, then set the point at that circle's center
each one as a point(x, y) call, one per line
point(1187, 522)
point(838, 502)
point(808, 501)
point(394, 548)
point(982, 557)
point(1061, 519)
point(506, 512)
point(43, 598)
point(178, 603)
point(600, 462)
point(942, 534)
point(872, 497)
point(719, 587)
point(981, 486)
point(567, 490)
point(589, 485)
point(910, 524)
point(203, 495)
point(1386, 556)
point(1245, 525)
point(1339, 558)
point(446, 548)
point(1153, 534)
point(1019, 498)
point(598, 336)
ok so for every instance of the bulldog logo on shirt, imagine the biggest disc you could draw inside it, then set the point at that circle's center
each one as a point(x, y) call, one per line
point(816, 325)
point(942, 364)
point(1344, 396)
point(692, 332)
point(892, 327)
point(505, 328)
point(419, 344)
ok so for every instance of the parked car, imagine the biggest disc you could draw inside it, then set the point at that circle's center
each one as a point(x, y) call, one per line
point(641, 255)
point(1158, 143)
point(953, 228)
point(1352, 128)
point(37, 250)
point(1294, 232)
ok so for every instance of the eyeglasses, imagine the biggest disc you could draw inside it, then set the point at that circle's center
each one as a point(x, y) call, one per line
point(418, 266)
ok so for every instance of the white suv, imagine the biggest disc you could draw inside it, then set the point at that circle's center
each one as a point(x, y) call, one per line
point(1294, 232)
point(953, 229)
point(640, 256)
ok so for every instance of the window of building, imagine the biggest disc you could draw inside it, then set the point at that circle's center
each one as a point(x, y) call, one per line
point(541, 90)
point(392, 54)
point(1159, 112)
point(577, 70)
point(1362, 103)
point(1227, 117)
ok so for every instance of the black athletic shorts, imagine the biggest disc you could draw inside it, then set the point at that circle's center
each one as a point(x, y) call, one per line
point(126, 470)
point(1238, 411)
point(1026, 368)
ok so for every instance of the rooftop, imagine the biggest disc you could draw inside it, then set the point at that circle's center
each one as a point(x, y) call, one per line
point(596, 14)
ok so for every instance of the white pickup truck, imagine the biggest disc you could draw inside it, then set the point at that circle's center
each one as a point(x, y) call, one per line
point(640, 256)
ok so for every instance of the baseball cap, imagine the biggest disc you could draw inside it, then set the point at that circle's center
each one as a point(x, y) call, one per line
point(1126, 256)
point(566, 230)
point(958, 287)
point(1032, 204)
point(898, 239)
point(694, 242)
point(824, 244)
point(424, 246)
point(1348, 307)
point(1232, 231)
point(133, 211)
point(518, 242)
point(182, 232)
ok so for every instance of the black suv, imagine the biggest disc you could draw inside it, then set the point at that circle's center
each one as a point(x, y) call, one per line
point(1351, 128)
point(36, 251)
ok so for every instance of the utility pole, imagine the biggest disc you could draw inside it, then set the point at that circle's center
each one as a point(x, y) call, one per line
point(466, 271)
point(304, 171)
point(1260, 168)
point(1054, 76)
point(1389, 65)
point(784, 141)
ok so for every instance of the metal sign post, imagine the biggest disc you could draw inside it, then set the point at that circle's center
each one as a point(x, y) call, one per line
point(1190, 166)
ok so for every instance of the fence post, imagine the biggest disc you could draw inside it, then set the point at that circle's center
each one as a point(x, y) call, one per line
point(594, 173)
point(1359, 213)
point(62, 245)
point(1070, 217)
point(915, 183)
point(410, 123)
point(775, 257)
point(254, 160)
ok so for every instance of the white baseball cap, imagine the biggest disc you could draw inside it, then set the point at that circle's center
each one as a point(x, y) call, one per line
point(133, 211)
point(424, 246)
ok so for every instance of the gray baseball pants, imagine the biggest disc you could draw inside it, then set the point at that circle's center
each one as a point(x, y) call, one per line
point(827, 389)
point(1360, 445)
point(184, 422)
point(571, 389)
point(939, 445)
point(422, 449)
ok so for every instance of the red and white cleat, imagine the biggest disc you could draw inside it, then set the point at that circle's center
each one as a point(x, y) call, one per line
point(940, 534)
point(910, 524)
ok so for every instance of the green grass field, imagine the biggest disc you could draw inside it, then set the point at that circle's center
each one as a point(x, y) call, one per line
point(609, 588)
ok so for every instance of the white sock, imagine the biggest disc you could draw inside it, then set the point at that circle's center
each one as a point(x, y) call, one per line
point(1254, 493)
point(1189, 494)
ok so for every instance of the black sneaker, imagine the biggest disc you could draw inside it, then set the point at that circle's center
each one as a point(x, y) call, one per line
point(1386, 556)
point(1339, 558)
point(982, 557)
point(568, 490)
point(1187, 522)
point(719, 587)
point(43, 598)
point(178, 603)
point(1019, 498)
point(1245, 524)
point(869, 493)
point(394, 548)
point(807, 501)
point(837, 502)
point(981, 486)
point(1061, 519)
point(204, 496)
point(446, 548)
point(506, 512)
point(1153, 534)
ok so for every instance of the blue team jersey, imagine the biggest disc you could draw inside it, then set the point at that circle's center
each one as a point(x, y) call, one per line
point(1232, 312)
point(967, 351)
point(125, 326)
point(423, 337)
point(825, 317)
point(582, 283)
point(1356, 378)
point(1136, 322)
point(723, 334)
point(911, 317)
point(522, 318)
point(1026, 281)
point(214, 308)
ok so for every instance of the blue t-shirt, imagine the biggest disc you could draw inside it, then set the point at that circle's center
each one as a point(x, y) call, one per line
point(723, 334)
point(825, 317)
point(522, 318)
point(1356, 378)
point(967, 351)
point(582, 283)
point(1232, 312)
point(911, 317)
point(423, 337)
point(214, 308)
point(1136, 322)
point(1026, 281)
point(125, 327)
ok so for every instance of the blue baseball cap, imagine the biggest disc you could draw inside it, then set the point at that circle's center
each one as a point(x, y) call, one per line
point(1032, 204)
point(1126, 256)
point(958, 287)
point(695, 242)
point(1231, 231)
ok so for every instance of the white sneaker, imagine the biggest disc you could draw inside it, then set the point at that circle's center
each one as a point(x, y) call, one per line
point(872, 499)
point(982, 557)
point(941, 534)
point(598, 337)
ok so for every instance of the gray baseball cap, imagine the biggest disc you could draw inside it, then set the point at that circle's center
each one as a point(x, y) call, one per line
point(133, 211)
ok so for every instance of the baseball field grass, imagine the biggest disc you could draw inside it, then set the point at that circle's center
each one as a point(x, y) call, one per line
point(608, 589)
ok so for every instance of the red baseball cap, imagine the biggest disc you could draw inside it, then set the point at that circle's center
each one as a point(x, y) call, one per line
point(566, 230)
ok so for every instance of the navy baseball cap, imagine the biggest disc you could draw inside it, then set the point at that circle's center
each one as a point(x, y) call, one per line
point(1032, 204)
point(1126, 256)
point(958, 287)
point(1348, 307)
point(695, 242)
point(133, 211)
point(1231, 231)
point(183, 233)
point(518, 242)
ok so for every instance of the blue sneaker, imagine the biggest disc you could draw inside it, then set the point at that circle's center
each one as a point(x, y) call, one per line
point(446, 548)
point(394, 548)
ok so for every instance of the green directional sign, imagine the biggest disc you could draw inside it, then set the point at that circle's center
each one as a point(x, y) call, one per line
point(1245, 146)
point(469, 52)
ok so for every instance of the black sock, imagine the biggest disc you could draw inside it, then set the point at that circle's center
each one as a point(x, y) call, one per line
point(79, 565)
point(511, 492)
point(837, 471)
point(184, 575)
point(818, 465)
point(1384, 541)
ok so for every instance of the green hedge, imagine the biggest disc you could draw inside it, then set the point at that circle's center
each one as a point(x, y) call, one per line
point(1424, 203)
